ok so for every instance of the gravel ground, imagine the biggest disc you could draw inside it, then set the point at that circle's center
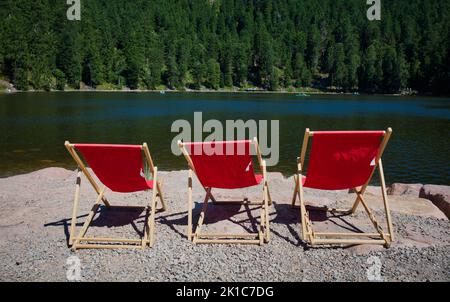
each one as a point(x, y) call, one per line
point(35, 214)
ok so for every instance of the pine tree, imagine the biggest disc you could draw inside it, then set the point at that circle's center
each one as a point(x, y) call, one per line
point(338, 73)
point(172, 73)
point(69, 58)
point(198, 72)
point(118, 68)
point(213, 74)
point(241, 65)
point(155, 61)
point(371, 71)
point(313, 49)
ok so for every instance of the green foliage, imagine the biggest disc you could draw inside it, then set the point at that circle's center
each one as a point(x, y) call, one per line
point(274, 79)
point(338, 72)
point(60, 78)
point(301, 73)
point(172, 74)
point(270, 44)
point(212, 74)
point(20, 79)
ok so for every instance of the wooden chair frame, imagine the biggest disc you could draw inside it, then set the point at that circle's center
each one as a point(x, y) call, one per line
point(315, 238)
point(263, 235)
point(76, 241)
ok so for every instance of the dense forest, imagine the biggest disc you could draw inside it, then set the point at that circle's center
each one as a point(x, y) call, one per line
point(213, 44)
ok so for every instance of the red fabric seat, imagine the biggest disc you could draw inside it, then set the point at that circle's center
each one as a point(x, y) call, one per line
point(341, 160)
point(119, 167)
point(223, 165)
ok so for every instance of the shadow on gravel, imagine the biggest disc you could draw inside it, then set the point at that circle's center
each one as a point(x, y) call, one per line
point(65, 223)
point(215, 213)
point(116, 217)
point(343, 223)
point(107, 217)
point(171, 223)
point(289, 216)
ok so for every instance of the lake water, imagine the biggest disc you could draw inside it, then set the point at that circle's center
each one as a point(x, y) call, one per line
point(34, 126)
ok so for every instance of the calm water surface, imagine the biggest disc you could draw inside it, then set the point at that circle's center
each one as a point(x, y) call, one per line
point(34, 126)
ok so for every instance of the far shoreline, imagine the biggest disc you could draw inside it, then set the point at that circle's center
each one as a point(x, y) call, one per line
point(305, 92)
point(299, 93)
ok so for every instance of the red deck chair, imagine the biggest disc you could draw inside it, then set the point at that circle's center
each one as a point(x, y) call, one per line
point(121, 169)
point(226, 165)
point(341, 160)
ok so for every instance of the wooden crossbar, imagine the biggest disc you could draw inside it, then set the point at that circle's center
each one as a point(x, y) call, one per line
point(107, 246)
point(227, 241)
point(350, 234)
point(348, 241)
point(100, 239)
point(212, 235)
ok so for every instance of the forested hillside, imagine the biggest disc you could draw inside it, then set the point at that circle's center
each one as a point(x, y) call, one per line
point(269, 44)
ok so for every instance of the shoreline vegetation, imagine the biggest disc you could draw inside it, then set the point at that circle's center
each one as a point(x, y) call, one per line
point(267, 45)
point(8, 88)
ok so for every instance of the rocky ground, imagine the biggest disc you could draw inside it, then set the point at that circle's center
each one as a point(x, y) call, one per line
point(35, 212)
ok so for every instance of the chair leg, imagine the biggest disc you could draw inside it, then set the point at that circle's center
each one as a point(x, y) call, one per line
point(202, 215)
point(262, 224)
point(208, 191)
point(189, 228)
point(294, 197)
point(160, 195)
point(385, 201)
point(261, 227)
point(302, 209)
point(354, 206)
point(73, 221)
point(263, 218)
point(145, 239)
point(307, 232)
point(266, 213)
point(151, 221)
